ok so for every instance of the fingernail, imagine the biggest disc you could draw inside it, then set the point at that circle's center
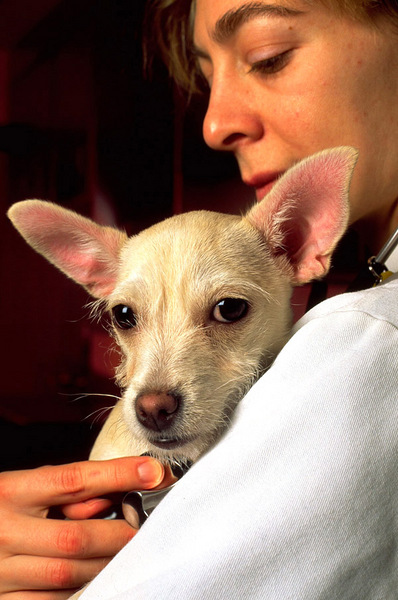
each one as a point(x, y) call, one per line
point(150, 471)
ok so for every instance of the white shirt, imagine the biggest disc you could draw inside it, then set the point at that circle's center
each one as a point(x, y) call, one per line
point(299, 500)
point(392, 261)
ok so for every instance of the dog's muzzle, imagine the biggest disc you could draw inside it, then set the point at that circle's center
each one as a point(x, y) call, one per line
point(157, 411)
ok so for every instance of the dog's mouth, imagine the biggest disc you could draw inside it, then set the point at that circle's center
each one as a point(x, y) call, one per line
point(166, 443)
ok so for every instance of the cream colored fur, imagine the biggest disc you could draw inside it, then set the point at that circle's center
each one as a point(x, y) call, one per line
point(179, 346)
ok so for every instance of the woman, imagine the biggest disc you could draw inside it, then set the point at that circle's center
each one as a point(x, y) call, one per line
point(294, 79)
point(299, 500)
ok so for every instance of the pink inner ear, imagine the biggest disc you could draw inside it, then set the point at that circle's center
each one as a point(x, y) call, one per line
point(83, 250)
point(87, 270)
point(306, 213)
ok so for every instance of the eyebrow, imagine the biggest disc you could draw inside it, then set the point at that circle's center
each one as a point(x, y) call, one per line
point(232, 20)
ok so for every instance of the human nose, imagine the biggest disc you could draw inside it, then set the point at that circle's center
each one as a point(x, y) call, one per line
point(231, 119)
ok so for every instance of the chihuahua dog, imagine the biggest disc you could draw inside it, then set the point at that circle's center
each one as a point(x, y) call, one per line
point(199, 303)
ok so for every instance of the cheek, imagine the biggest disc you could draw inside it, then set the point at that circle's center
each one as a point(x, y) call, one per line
point(319, 120)
point(318, 104)
point(127, 360)
point(299, 125)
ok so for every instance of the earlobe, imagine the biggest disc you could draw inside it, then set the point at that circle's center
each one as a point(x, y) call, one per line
point(306, 213)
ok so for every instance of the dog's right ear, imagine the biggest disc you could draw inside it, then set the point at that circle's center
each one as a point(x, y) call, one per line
point(306, 213)
point(86, 252)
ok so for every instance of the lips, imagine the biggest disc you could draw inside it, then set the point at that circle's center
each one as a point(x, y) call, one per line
point(263, 183)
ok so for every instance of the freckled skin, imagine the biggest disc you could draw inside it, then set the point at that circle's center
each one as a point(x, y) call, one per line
point(339, 87)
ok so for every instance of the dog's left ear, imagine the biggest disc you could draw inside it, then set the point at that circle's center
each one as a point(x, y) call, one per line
point(306, 213)
point(86, 252)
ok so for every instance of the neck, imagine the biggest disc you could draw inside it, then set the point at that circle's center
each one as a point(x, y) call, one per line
point(377, 228)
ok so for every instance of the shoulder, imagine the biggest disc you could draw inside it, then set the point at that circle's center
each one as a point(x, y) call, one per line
point(379, 303)
point(349, 340)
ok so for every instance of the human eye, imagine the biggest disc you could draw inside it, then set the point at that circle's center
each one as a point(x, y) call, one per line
point(272, 64)
point(204, 77)
point(203, 66)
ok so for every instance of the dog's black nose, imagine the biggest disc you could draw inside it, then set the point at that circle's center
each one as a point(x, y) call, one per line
point(157, 411)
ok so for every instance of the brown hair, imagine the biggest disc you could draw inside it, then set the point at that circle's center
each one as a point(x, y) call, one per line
point(168, 29)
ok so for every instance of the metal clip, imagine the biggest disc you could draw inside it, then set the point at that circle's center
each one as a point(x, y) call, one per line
point(145, 501)
point(377, 269)
point(377, 265)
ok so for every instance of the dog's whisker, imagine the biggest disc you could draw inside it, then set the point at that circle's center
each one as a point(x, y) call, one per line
point(98, 414)
point(82, 396)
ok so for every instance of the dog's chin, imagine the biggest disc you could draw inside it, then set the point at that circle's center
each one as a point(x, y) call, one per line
point(165, 443)
point(175, 448)
point(187, 448)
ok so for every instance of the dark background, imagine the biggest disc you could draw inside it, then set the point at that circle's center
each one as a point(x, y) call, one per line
point(80, 125)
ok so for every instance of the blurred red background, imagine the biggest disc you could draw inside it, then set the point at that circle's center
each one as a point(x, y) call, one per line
point(80, 125)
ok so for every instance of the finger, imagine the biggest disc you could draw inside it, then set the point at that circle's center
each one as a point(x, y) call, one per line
point(168, 478)
point(33, 573)
point(94, 506)
point(38, 595)
point(77, 482)
point(87, 509)
point(70, 539)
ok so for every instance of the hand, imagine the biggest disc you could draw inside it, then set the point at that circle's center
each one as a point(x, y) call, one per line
point(48, 559)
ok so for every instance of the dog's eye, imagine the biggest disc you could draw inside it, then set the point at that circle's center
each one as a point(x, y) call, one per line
point(230, 310)
point(123, 316)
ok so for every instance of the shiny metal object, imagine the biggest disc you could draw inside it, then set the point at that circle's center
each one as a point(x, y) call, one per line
point(145, 501)
point(376, 264)
point(388, 248)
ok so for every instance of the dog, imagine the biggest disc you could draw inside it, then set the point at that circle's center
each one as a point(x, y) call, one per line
point(199, 303)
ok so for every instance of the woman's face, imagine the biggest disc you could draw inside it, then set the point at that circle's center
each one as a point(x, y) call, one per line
point(292, 78)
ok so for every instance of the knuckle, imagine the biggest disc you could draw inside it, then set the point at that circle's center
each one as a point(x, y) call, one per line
point(119, 475)
point(59, 574)
point(70, 479)
point(71, 540)
point(6, 488)
point(6, 539)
